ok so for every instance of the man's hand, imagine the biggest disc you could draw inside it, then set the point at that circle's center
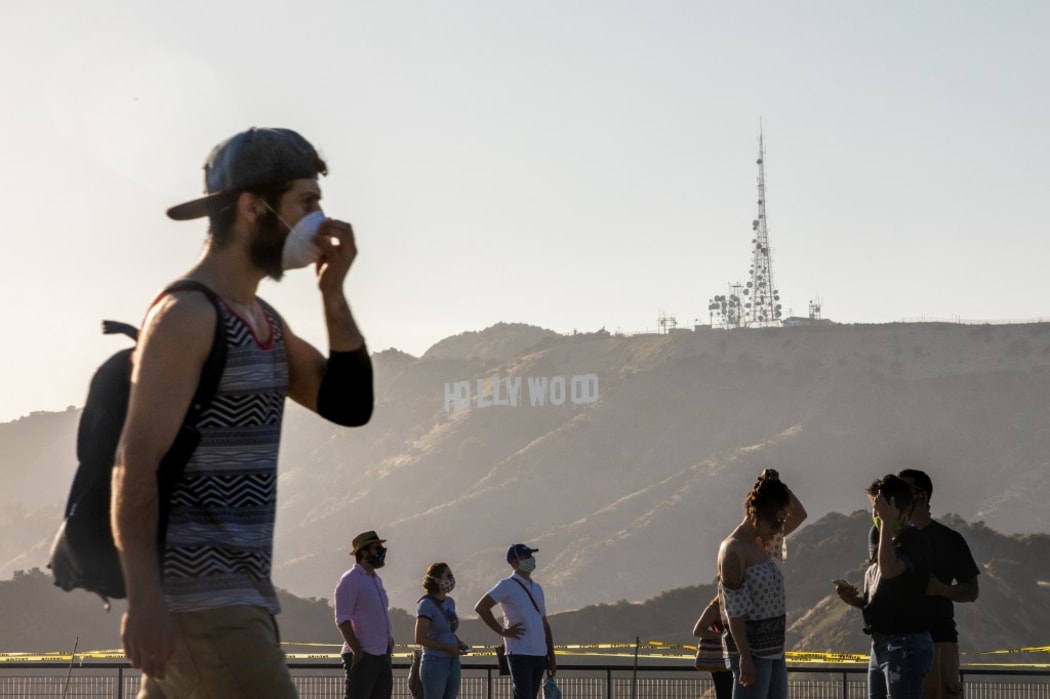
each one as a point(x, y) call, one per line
point(935, 588)
point(149, 638)
point(338, 248)
point(885, 509)
point(515, 631)
point(848, 593)
point(552, 664)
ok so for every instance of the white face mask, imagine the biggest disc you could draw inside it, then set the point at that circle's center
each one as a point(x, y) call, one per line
point(300, 250)
point(527, 565)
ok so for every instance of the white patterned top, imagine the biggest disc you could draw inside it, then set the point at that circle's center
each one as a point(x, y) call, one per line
point(761, 599)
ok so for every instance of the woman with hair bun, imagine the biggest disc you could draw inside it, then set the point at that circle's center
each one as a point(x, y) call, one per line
point(436, 624)
point(751, 589)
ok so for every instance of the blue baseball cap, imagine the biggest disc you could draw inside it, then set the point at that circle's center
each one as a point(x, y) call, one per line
point(252, 158)
point(518, 552)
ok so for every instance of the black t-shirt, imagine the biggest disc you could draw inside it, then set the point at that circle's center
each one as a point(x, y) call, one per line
point(898, 605)
point(950, 561)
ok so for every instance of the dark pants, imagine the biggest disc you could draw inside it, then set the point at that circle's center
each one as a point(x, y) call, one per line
point(372, 678)
point(723, 684)
point(526, 674)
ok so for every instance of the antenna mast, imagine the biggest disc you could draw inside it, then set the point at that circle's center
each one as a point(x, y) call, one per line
point(763, 307)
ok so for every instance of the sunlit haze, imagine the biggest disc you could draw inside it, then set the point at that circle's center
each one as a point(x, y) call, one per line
point(569, 165)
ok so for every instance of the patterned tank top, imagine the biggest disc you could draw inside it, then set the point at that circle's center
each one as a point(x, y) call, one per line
point(760, 599)
point(219, 544)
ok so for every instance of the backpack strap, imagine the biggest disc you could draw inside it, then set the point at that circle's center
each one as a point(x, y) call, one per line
point(173, 464)
point(216, 361)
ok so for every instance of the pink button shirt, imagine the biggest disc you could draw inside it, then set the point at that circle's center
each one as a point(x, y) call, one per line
point(361, 600)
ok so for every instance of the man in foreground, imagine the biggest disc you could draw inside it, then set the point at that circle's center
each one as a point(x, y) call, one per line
point(201, 605)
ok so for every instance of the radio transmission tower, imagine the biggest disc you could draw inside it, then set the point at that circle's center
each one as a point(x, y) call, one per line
point(757, 303)
point(762, 309)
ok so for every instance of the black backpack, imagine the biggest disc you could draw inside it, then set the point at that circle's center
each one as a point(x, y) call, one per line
point(83, 553)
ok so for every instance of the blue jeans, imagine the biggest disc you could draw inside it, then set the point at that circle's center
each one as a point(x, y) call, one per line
point(440, 676)
point(898, 665)
point(771, 679)
point(526, 674)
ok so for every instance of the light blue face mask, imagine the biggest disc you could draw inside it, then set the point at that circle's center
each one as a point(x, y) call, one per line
point(527, 565)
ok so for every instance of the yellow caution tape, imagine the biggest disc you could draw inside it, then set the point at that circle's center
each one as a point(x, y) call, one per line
point(650, 649)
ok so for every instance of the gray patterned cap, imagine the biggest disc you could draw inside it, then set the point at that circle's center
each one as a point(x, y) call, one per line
point(250, 159)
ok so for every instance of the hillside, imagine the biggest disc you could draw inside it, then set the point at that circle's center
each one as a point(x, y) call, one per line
point(624, 459)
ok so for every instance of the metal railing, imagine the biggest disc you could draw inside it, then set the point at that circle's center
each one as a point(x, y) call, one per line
point(324, 680)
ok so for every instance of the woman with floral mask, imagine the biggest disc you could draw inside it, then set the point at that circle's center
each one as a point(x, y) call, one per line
point(436, 624)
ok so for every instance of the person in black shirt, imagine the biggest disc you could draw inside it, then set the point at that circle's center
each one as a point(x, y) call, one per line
point(893, 601)
point(953, 578)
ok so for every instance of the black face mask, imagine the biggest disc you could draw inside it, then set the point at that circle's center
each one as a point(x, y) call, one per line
point(377, 558)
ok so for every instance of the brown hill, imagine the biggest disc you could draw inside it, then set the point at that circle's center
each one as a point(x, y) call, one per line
point(627, 495)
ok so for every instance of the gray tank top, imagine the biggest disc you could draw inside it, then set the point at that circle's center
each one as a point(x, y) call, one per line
point(220, 529)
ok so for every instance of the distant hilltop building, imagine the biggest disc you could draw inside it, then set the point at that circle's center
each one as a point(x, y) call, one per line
point(812, 319)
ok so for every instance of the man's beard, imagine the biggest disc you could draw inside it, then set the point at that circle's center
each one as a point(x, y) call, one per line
point(267, 245)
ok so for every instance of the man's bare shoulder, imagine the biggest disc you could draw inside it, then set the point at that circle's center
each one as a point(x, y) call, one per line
point(179, 319)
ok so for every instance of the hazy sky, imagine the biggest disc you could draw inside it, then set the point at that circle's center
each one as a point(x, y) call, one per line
point(572, 164)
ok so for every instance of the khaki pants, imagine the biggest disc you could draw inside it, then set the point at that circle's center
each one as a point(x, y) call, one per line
point(943, 680)
point(223, 653)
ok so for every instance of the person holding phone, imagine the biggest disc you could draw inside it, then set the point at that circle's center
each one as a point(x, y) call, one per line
point(893, 598)
point(436, 624)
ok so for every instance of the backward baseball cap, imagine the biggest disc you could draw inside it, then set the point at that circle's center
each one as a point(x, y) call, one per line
point(252, 158)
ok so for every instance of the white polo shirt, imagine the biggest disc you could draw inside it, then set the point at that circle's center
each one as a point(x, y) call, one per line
point(517, 608)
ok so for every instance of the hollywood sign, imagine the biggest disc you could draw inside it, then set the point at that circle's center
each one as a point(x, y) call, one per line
point(513, 392)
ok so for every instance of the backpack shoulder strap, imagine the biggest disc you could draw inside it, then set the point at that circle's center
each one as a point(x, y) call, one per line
point(174, 462)
point(211, 373)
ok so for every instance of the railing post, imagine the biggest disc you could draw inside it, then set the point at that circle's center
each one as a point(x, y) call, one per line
point(845, 685)
point(608, 683)
point(488, 683)
point(120, 682)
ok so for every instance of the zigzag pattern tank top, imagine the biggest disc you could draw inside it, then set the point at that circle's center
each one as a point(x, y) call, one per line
point(219, 545)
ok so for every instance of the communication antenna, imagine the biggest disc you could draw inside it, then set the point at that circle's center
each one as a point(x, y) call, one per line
point(727, 311)
point(762, 304)
point(667, 323)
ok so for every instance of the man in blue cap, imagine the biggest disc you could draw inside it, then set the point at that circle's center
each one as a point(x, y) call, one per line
point(525, 630)
point(197, 553)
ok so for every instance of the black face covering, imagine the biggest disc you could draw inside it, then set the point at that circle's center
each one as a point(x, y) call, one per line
point(378, 557)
